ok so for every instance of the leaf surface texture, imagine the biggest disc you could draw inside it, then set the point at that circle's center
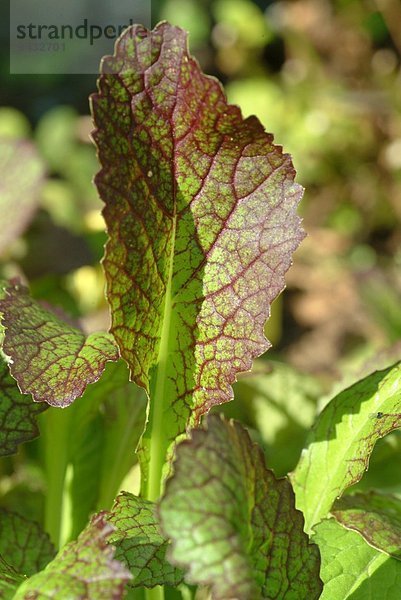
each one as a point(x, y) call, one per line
point(49, 358)
point(233, 525)
point(200, 208)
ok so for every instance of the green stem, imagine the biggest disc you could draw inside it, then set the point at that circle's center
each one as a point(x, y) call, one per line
point(56, 462)
point(156, 426)
point(156, 593)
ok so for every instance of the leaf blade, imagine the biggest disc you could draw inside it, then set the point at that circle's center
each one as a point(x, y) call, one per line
point(50, 359)
point(201, 214)
point(343, 437)
point(351, 569)
point(82, 569)
point(232, 524)
point(23, 544)
point(17, 414)
point(140, 544)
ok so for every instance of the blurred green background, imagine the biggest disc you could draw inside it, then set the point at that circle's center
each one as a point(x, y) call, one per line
point(324, 77)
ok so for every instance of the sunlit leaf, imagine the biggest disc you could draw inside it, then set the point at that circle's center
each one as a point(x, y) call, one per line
point(49, 358)
point(17, 414)
point(351, 569)
point(342, 439)
point(21, 175)
point(82, 569)
point(140, 544)
point(201, 216)
point(233, 525)
point(376, 516)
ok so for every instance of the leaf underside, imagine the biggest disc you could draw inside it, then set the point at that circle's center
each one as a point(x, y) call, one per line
point(343, 437)
point(233, 525)
point(140, 544)
point(49, 358)
point(200, 208)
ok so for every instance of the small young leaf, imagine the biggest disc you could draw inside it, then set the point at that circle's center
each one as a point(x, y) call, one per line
point(23, 545)
point(352, 569)
point(21, 175)
point(82, 569)
point(200, 207)
point(50, 359)
point(376, 516)
point(17, 414)
point(233, 525)
point(342, 439)
point(140, 544)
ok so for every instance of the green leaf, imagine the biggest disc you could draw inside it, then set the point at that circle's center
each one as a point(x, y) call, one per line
point(352, 569)
point(376, 516)
point(50, 359)
point(23, 544)
point(24, 550)
point(342, 439)
point(21, 176)
point(233, 525)
point(18, 414)
point(201, 216)
point(140, 544)
point(82, 569)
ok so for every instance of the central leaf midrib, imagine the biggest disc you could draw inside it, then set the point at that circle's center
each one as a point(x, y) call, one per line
point(159, 398)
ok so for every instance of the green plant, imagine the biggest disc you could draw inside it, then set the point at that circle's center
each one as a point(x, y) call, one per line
point(200, 209)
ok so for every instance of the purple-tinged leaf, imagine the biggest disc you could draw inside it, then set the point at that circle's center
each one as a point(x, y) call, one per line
point(49, 358)
point(200, 207)
point(18, 414)
point(140, 544)
point(85, 568)
point(377, 517)
point(342, 439)
point(21, 176)
point(232, 524)
point(23, 544)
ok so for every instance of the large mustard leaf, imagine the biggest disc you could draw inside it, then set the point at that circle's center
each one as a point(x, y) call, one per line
point(200, 208)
